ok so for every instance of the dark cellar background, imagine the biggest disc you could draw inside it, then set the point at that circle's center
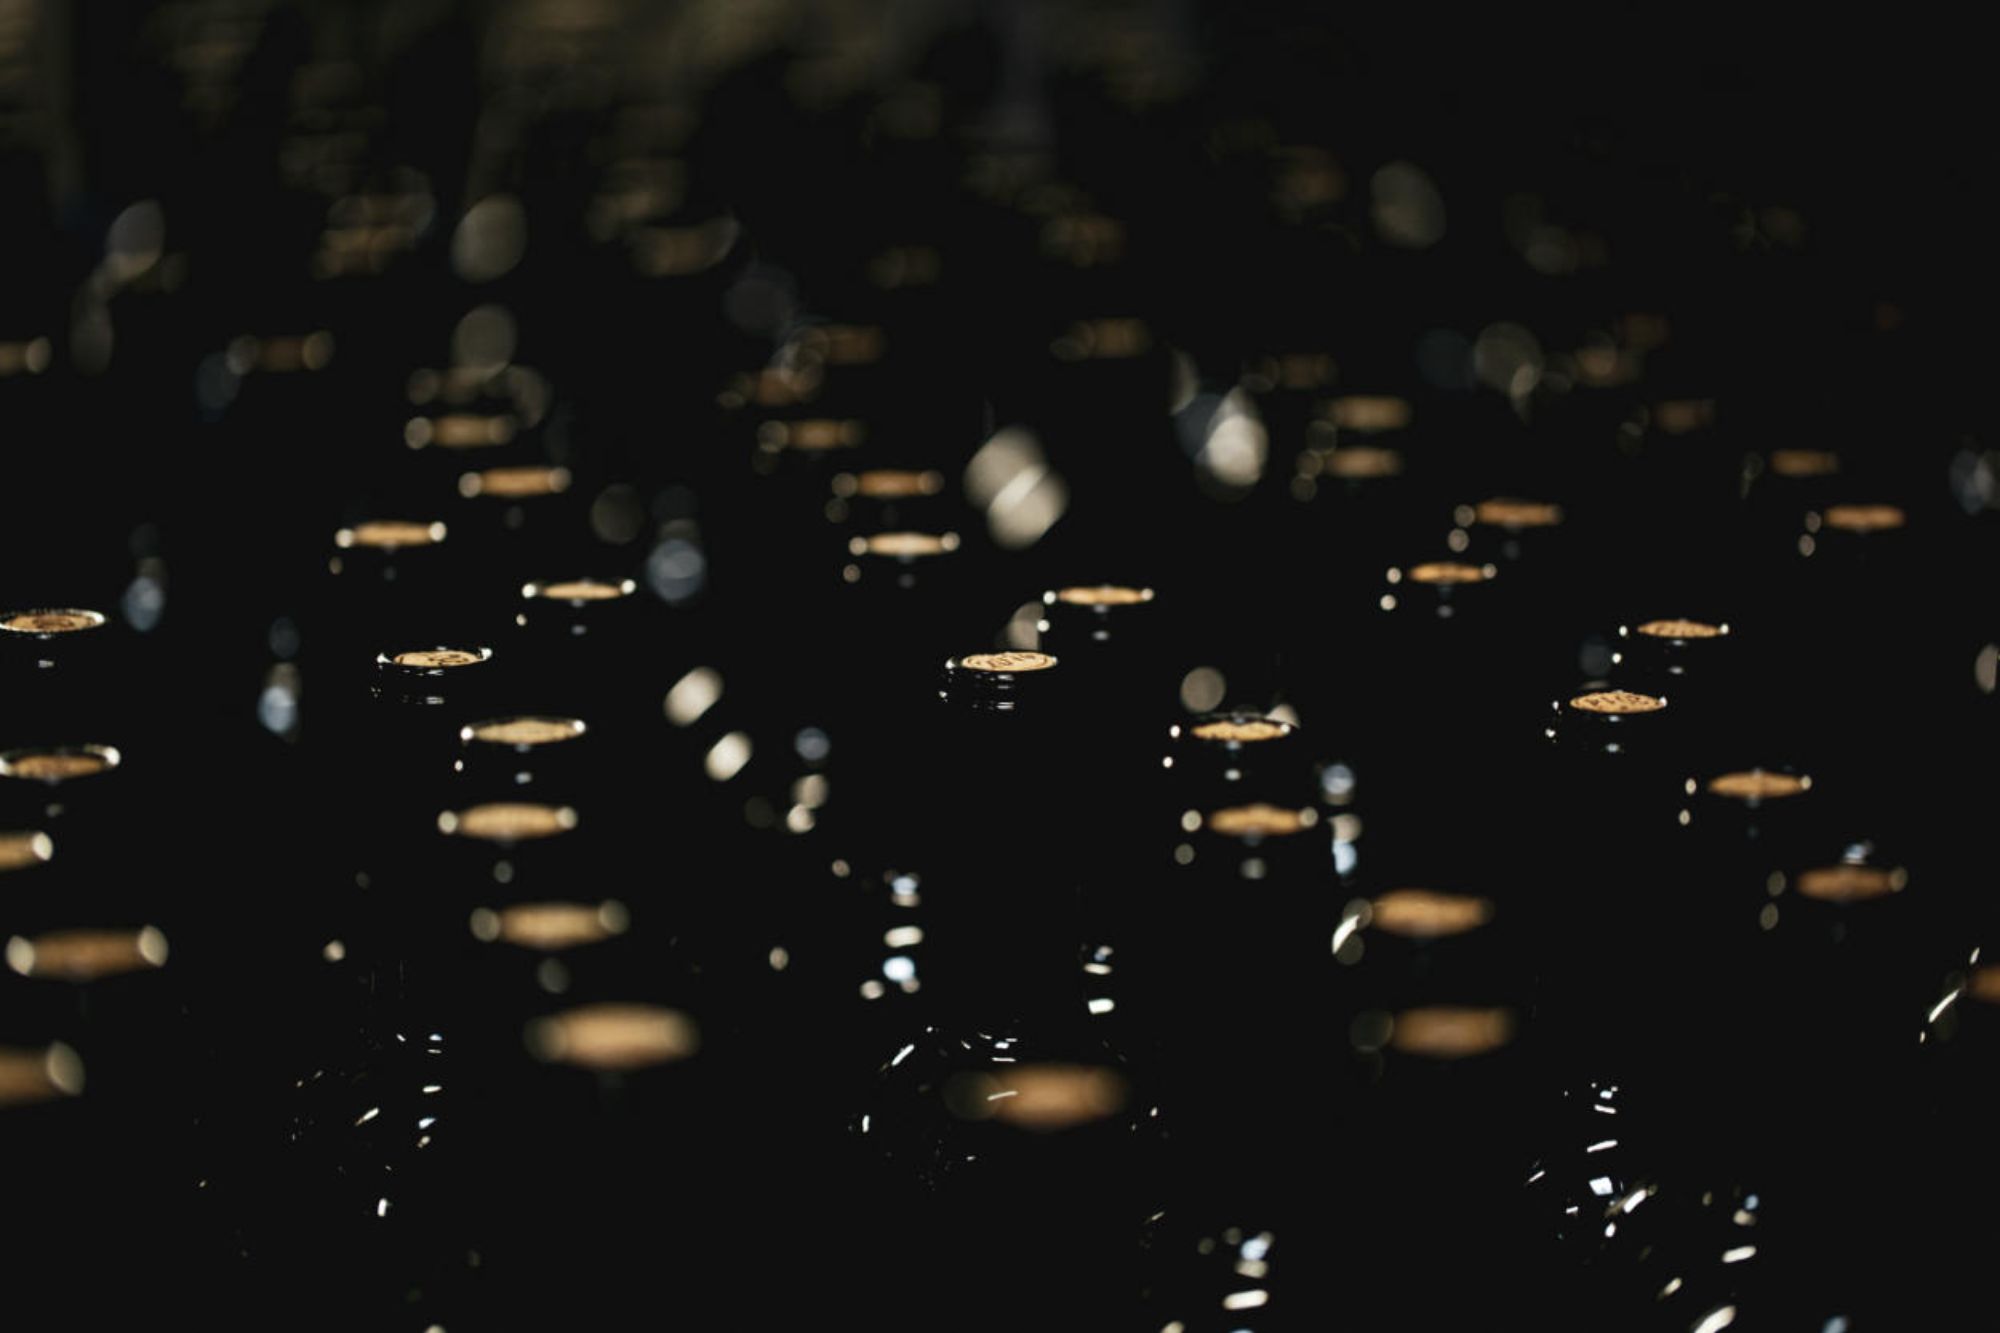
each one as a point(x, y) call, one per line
point(1419, 366)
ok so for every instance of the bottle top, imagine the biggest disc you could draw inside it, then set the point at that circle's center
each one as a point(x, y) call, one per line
point(1755, 784)
point(581, 590)
point(1616, 703)
point(459, 430)
point(1237, 729)
point(811, 436)
point(87, 955)
point(995, 680)
point(523, 730)
point(1099, 595)
point(59, 763)
point(1444, 572)
point(551, 926)
point(1369, 412)
point(514, 483)
point(1847, 883)
point(614, 1037)
point(887, 484)
point(1426, 914)
point(507, 821)
point(28, 1076)
point(389, 534)
point(1043, 1098)
point(21, 850)
point(904, 545)
point(1451, 1032)
point(1804, 462)
point(1510, 513)
point(1678, 630)
point(433, 661)
point(43, 622)
point(1261, 821)
point(1858, 518)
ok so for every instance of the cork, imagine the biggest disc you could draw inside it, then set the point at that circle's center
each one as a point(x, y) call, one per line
point(1757, 785)
point(1104, 594)
point(889, 483)
point(550, 927)
point(1424, 914)
point(1684, 416)
point(1011, 662)
point(905, 545)
point(434, 659)
point(524, 730)
point(581, 590)
point(614, 1037)
point(1260, 820)
point(1518, 513)
point(52, 620)
point(1449, 571)
point(812, 436)
point(1369, 412)
point(1452, 1032)
point(390, 534)
point(846, 344)
point(1984, 984)
point(514, 483)
point(1804, 462)
point(18, 851)
point(1864, 517)
point(1682, 629)
point(508, 821)
point(1041, 1097)
point(464, 430)
point(1360, 462)
point(58, 765)
point(1617, 703)
point(87, 955)
point(29, 1076)
point(1850, 883)
point(1243, 730)
point(1114, 339)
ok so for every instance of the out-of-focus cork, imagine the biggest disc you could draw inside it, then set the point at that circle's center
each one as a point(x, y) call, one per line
point(1426, 914)
point(1505, 513)
point(551, 926)
point(1369, 412)
point(515, 483)
point(508, 821)
point(889, 484)
point(905, 545)
point(1240, 729)
point(1804, 462)
point(29, 1076)
point(1042, 1097)
point(580, 590)
point(1243, 821)
point(1104, 594)
point(1864, 518)
point(614, 1037)
point(58, 765)
point(388, 534)
point(1449, 571)
point(1452, 1032)
point(1360, 462)
point(1850, 883)
point(21, 850)
point(525, 730)
point(87, 955)
point(1755, 784)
